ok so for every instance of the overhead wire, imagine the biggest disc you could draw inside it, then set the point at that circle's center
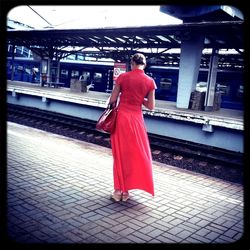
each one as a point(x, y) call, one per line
point(40, 16)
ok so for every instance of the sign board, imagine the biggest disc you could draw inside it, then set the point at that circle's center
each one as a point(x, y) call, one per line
point(118, 69)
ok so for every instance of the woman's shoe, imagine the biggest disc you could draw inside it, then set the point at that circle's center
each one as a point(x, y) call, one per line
point(116, 196)
point(125, 196)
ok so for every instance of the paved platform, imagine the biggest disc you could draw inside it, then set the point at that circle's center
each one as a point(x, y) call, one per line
point(59, 188)
point(227, 118)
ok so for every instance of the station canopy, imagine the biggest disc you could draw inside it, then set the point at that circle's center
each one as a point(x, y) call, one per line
point(160, 44)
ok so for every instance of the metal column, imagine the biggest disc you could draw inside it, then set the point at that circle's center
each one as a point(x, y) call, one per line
point(12, 64)
point(191, 51)
point(211, 81)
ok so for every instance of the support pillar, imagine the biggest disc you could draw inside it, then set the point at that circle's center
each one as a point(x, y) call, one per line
point(44, 72)
point(12, 63)
point(49, 71)
point(211, 81)
point(58, 71)
point(191, 52)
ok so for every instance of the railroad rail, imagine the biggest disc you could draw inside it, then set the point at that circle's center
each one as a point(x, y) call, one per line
point(212, 161)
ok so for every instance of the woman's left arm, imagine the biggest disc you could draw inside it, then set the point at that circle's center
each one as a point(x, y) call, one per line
point(115, 94)
point(149, 101)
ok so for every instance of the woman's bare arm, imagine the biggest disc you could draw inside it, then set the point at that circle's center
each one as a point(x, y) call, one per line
point(115, 94)
point(149, 102)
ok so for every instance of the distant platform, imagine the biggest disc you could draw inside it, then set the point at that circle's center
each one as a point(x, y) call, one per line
point(227, 118)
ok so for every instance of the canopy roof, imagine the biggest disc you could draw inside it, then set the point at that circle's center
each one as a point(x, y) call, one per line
point(118, 43)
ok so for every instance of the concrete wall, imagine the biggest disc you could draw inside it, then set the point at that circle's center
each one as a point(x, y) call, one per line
point(229, 139)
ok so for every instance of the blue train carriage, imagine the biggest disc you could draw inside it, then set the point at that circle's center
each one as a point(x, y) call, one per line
point(166, 79)
point(25, 69)
point(99, 77)
point(229, 84)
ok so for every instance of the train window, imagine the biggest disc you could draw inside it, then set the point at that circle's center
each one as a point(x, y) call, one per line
point(28, 71)
point(64, 73)
point(222, 88)
point(165, 83)
point(19, 67)
point(97, 77)
point(85, 76)
point(74, 73)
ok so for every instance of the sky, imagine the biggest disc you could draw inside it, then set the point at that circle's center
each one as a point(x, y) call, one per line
point(79, 17)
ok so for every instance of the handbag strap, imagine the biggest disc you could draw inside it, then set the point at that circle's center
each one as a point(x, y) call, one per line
point(115, 103)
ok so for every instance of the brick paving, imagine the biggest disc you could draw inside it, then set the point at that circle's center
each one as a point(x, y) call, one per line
point(59, 189)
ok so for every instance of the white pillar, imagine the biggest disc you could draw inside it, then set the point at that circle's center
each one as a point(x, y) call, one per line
point(12, 63)
point(211, 81)
point(58, 71)
point(191, 51)
point(49, 71)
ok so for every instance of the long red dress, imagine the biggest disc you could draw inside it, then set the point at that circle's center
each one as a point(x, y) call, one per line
point(132, 168)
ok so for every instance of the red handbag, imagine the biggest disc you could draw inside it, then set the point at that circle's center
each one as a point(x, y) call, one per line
point(106, 122)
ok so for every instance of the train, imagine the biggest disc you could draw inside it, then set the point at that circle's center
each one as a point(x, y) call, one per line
point(99, 76)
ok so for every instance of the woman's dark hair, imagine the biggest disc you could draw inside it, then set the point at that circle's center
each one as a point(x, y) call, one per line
point(138, 59)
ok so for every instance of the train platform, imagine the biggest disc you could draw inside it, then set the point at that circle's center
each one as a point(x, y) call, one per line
point(227, 118)
point(59, 192)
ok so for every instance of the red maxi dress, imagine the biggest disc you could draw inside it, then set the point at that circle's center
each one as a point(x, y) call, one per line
point(132, 160)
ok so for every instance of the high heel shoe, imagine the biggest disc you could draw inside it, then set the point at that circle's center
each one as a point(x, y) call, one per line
point(116, 196)
point(125, 196)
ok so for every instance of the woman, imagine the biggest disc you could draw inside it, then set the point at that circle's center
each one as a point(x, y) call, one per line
point(132, 167)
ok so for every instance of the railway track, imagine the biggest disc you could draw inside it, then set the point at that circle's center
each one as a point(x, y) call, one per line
point(195, 157)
